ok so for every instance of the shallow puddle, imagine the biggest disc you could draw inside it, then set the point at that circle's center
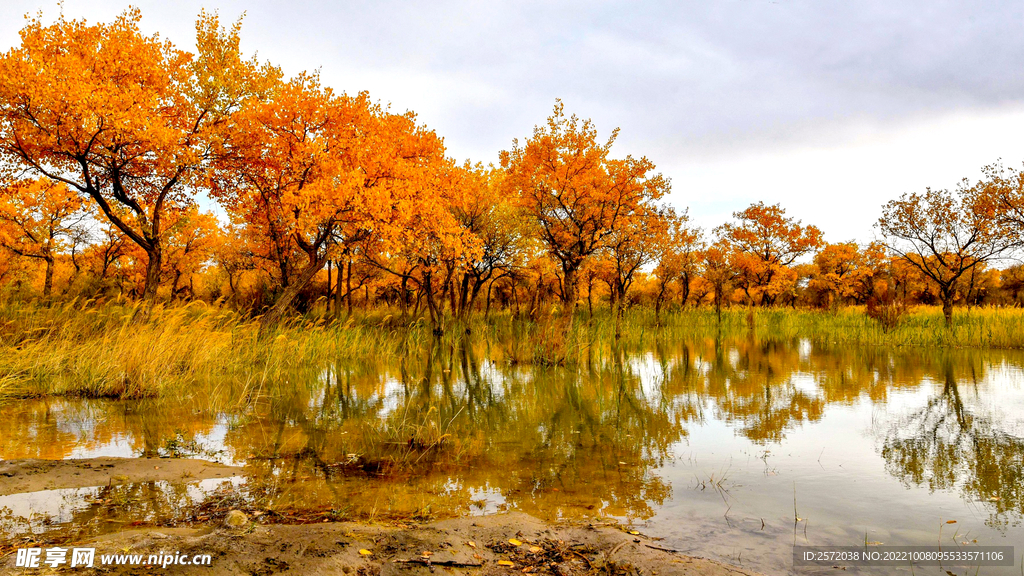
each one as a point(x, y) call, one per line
point(731, 449)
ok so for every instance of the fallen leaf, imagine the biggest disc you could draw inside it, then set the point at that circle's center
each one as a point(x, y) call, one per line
point(994, 499)
point(535, 549)
point(471, 544)
point(634, 532)
point(506, 563)
point(365, 552)
point(950, 521)
point(478, 557)
point(427, 553)
point(515, 542)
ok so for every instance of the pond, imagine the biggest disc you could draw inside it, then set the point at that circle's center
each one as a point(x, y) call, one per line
point(730, 448)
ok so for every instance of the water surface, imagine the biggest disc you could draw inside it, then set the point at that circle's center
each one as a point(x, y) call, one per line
point(735, 449)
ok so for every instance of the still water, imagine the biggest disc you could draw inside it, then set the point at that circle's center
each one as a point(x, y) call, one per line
point(734, 449)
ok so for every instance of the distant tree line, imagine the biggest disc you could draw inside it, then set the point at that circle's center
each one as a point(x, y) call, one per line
point(109, 136)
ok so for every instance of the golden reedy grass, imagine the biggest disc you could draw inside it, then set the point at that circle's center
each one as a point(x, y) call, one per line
point(99, 349)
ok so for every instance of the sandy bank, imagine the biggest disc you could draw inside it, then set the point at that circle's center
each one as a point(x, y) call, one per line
point(17, 476)
point(475, 546)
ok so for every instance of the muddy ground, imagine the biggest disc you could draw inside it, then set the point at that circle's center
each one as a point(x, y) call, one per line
point(20, 476)
point(503, 544)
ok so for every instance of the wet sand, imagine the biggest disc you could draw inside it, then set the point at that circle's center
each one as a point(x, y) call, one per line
point(471, 546)
point(474, 546)
point(18, 476)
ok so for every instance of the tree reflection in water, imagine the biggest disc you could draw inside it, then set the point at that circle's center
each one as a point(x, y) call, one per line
point(946, 446)
point(444, 431)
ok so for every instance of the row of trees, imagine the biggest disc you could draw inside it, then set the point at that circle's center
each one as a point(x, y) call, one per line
point(108, 137)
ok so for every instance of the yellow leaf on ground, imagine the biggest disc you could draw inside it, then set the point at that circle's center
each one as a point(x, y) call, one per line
point(471, 544)
point(950, 521)
point(366, 552)
point(634, 532)
point(535, 549)
point(506, 563)
point(515, 542)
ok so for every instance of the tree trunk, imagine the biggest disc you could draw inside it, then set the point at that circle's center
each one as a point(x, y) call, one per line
point(569, 294)
point(152, 282)
point(174, 284)
point(618, 315)
point(339, 294)
point(487, 309)
point(464, 299)
point(947, 309)
point(231, 285)
point(535, 299)
point(330, 286)
point(657, 303)
point(435, 314)
point(403, 297)
point(348, 286)
point(515, 297)
point(284, 301)
point(718, 303)
point(590, 298)
point(48, 281)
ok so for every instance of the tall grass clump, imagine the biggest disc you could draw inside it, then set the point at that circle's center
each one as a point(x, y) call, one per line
point(100, 350)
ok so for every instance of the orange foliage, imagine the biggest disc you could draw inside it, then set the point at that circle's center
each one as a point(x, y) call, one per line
point(767, 244)
point(36, 218)
point(125, 119)
point(575, 192)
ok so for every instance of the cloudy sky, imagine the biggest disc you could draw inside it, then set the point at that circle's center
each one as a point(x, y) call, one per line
point(828, 107)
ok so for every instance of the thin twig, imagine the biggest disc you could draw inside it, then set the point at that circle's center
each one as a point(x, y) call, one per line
point(653, 547)
point(453, 563)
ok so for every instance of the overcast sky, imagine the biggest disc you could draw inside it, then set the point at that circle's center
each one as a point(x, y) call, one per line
point(830, 108)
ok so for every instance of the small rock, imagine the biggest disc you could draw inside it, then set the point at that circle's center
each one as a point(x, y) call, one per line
point(235, 519)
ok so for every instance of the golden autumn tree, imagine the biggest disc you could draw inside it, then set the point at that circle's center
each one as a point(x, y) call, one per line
point(839, 271)
point(635, 243)
point(575, 192)
point(719, 271)
point(484, 209)
point(36, 219)
point(309, 170)
point(124, 119)
point(434, 246)
point(1001, 192)
point(191, 243)
point(945, 235)
point(767, 244)
point(678, 258)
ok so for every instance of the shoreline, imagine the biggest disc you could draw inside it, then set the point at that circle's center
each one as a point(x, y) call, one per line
point(477, 546)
